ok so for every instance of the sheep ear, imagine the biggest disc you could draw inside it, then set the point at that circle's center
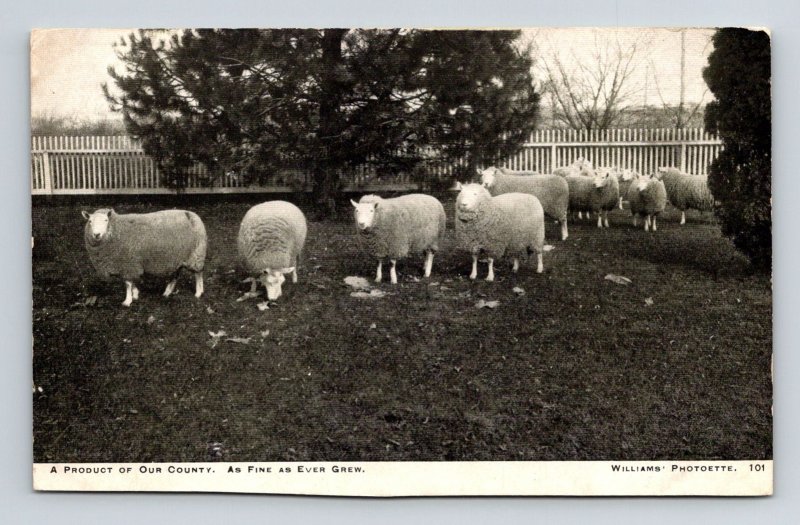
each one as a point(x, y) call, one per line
point(85, 214)
point(375, 205)
point(111, 212)
point(354, 203)
point(288, 270)
point(458, 186)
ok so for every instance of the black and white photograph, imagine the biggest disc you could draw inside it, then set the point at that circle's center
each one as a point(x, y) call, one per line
point(402, 261)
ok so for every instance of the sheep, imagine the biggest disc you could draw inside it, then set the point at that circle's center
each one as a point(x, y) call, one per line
point(626, 178)
point(551, 190)
point(647, 197)
point(271, 239)
point(599, 193)
point(686, 191)
point(581, 166)
point(512, 223)
point(393, 228)
point(159, 243)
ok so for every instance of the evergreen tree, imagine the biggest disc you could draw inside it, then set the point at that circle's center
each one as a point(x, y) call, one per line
point(258, 101)
point(738, 74)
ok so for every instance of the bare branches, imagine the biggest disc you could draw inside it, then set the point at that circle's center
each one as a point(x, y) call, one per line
point(595, 92)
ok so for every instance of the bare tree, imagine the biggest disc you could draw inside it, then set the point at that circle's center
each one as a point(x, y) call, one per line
point(592, 92)
point(680, 115)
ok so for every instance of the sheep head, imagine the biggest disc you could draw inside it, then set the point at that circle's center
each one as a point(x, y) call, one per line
point(365, 212)
point(488, 177)
point(470, 198)
point(272, 280)
point(98, 223)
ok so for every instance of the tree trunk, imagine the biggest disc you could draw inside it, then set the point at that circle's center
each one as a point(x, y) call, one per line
point(326, 168)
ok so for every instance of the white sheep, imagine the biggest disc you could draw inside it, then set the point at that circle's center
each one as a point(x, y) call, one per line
point(551, 190)
point(393, 228)
point(580, 166)
point(159, 243)
point(599, 193)
point(512, 223)
point(686, 191)
point(271, 239)
point(647, 198)
point(626, 178)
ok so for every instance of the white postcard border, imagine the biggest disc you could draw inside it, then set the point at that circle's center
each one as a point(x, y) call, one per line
point(397, 479)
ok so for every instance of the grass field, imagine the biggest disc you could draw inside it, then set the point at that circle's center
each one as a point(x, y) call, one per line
point(577, 368)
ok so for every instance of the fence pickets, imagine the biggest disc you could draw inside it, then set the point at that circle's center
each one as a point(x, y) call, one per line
point(64, 165)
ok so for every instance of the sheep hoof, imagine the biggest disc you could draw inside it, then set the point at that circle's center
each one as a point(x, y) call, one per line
point(126, 303)
point(198, 295)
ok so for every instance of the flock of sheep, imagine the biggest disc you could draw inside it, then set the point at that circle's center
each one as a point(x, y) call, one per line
point(501, 216)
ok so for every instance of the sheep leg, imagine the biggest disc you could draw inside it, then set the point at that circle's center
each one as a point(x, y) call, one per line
point(393, 272)
point(580, 215)
point(605, 218)
point(647, 223)
point(654, 223)
point(539, 263)
point(135, 292)
point(128, 293)
point(294, 274)
point(253, 286)
point(198, 284)
point(474, 272)
point(620, 204)
point(490, 275)
point(683, 217)
point(635, 220)
point(379, 273)
point(170, 287)
point(515, 267)
point(564, 232)
point(599, 219)
point(428, 263)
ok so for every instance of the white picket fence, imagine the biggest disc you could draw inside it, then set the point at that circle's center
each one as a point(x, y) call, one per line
point(88, 165)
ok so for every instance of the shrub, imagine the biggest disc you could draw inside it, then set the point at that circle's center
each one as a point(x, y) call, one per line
point(738, 74)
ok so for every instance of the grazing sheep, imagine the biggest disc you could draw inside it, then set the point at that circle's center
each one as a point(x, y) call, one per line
point(551, 190)
point(599, 193)
point(271, 239)
point(393, 228)
point(686, 191)
point(647, 197)
point(159, 243)
point(512, 223)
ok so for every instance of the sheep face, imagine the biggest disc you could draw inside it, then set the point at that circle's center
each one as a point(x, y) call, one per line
point(627, 174)
point(643, 183)
point(471, 196)
point(365, 214)
point(602, 179)
point(583, 165)
point(98, 223)
point(272, 281)
point(487, 177)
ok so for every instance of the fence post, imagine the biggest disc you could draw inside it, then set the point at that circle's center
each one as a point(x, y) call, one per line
point(48, 177)
point(683, 157)
point(553, 149)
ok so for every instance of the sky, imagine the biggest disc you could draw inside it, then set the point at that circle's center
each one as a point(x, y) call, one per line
point(68, 66)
